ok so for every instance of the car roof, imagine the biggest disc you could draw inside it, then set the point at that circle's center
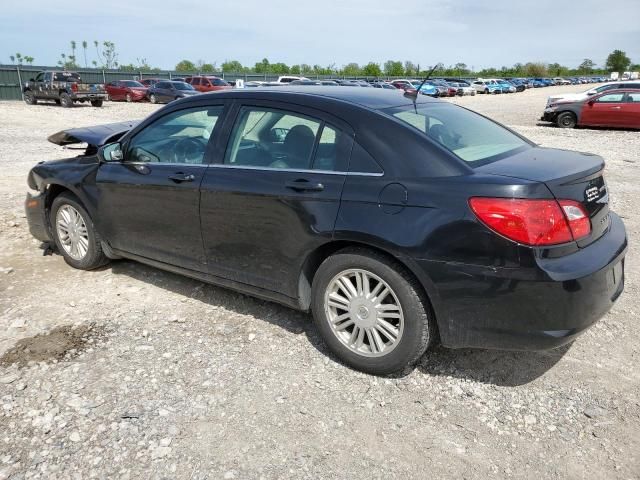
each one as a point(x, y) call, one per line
point(373, 98)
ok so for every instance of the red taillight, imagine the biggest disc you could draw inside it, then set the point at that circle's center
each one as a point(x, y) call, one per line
point(74, 87)
point(534, 221)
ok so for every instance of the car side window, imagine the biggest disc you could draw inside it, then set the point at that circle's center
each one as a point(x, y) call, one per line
point(332, 152)
point(273, 139)
point(633, 97)
point(180, 137)
point(610, 98)
point(195, 81)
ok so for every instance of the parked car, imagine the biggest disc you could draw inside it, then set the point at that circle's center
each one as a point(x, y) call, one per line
point(593, 91)
point(432, 222)
point(346, 83)
point(464, 88)
point(613, 108)
point(62, 87)
point(486, 86)
point(428, 88)
point(167, 91)
point(207, 83)
point(128, 90)
point(147, 82)
point(385, 85)
point(561, 81)
point(519, 85)
point(505, 85)
point(289, 78)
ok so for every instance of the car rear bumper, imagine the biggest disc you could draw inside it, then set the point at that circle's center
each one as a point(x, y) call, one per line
point(83, 96)
point(536, 308)
point(34, 207)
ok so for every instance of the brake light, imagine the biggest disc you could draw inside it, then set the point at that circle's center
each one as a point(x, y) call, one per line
point(74, 87)
point(533, 221)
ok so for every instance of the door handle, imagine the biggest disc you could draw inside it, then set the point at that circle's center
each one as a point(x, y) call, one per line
point(303, 185)
point(616, 108)
point(181, 177)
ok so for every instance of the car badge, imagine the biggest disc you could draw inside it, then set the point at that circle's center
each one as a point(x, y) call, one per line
point(592, 193)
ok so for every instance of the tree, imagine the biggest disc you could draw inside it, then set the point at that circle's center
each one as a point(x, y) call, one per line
point(73, 49)
point(461, 69)
point(617, 61)
point(84, 50)
point(372, 69)
point(262, 67)
point(295, 69)
point(205, 67)
point(557, 70)
point(411, 69)
point(28, 59)
point(351, 69)
point(586, 66)
point(19, 58)
point(535, 69)
point(279, 68)
point(107, 55)
point(232, 66)
point(13, 58)
point(185, 66)
point(393, 68)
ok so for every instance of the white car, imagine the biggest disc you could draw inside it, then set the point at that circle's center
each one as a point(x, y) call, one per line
point(466, 88)
point(593, 91)
point(561, 81)
point(486, 86)
point(289, 79)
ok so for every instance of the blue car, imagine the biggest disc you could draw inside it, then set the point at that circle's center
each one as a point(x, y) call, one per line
point(537, 83)
point(427, 88)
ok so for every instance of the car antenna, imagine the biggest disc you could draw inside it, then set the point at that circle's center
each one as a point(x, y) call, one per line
point(415, 97)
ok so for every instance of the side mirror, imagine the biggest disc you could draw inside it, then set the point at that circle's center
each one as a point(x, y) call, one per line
point(31, 80)
point(111, 152)
point(591, 102)
point(590, 93)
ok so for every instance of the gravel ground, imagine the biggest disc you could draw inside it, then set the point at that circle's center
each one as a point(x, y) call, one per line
point(131, 372)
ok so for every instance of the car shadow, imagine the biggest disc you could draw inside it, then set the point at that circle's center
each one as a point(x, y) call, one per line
point(486, 366)
point(495, 367)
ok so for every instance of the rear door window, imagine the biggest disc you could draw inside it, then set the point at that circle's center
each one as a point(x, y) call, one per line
point(611, 98)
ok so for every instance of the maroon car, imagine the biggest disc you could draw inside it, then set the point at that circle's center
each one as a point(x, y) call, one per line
point(619, 108)
point(129, 90)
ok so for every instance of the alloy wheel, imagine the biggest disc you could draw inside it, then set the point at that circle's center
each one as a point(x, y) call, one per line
point(364, 312)
point(72, 232)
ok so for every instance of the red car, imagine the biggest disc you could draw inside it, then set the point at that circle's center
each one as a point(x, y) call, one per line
point(128, 90)
point(207, 83)
point(404, 85)
point(617, 108)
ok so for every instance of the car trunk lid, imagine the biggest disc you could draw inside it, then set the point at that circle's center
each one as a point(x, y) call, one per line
point(568, 175)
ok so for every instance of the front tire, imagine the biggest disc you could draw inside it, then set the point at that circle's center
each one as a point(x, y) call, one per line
point(566, 120)
point(74, 233)
point(153, 99)
point(371, 313)
point(128, 98)
point(66, 101)
point(30, 98)
point(96, 103)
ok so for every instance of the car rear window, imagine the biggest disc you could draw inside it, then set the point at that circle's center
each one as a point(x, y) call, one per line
point(66, 77)
point(471, 137)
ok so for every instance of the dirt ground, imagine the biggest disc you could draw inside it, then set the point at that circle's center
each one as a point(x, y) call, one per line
point(131, 372)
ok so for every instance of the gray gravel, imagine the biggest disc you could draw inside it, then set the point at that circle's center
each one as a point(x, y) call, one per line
point(131, 372)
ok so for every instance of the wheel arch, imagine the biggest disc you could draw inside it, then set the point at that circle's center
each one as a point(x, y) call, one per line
point(314, 259)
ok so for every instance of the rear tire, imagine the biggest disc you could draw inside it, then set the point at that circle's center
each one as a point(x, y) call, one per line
point(128, 98)
point(30, 98)
point(70, 221)
point(66, 101)
point(153, 99)
point(405, 309)
point(96, 103)
point(566, 120)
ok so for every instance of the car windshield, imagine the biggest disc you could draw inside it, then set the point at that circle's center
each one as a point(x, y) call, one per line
point(469, 136)
point(182, 86)
point(131, 83)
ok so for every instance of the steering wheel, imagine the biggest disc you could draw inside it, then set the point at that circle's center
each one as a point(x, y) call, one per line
point(187, 150)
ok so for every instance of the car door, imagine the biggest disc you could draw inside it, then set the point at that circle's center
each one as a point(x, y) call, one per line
point(630, 112)
point(38, 86)
point(604, 109)
point(274, 195)
point(148, 204)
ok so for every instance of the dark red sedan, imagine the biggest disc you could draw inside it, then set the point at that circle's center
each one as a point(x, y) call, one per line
point(620, 108)
point(207, 83)
point(128, 90)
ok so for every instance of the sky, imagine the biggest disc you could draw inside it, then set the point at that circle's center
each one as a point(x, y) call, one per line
point(478, 33)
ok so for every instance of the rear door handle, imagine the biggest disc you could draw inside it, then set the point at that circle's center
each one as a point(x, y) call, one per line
point(616, 108)
point(303, 185)
point(182, 177)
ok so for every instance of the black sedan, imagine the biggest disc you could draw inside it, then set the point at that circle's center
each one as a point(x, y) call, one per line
point(167, 91)
point(397, 221)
